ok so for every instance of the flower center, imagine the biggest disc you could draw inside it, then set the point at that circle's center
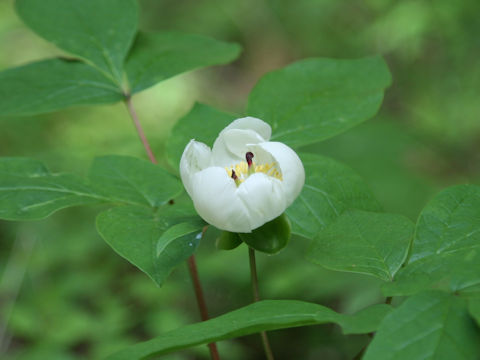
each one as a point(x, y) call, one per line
point(241, 171)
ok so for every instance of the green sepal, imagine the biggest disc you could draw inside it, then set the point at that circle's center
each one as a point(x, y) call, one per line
point(271, 237)
point(228, 241)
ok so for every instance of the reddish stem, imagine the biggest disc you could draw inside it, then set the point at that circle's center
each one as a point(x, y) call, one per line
point(191, 260)
point(138, 127)
point(202, 306)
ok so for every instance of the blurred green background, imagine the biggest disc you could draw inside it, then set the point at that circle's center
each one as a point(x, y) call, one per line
point(64, 294)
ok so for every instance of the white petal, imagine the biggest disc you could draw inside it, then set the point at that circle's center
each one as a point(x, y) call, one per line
point(215, 197)
point(263, 197)
point(231, 146)
point(251, 123)
point(291, 166)
point(195, 158)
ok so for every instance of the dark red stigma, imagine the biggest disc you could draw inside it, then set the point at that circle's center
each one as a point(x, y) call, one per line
point(249, 157)
point(234, 176)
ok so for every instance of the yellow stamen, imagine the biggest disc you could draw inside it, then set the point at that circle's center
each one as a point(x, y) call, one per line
point(242, 171)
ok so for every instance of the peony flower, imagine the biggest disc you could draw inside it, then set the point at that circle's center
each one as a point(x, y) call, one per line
point(245, 180)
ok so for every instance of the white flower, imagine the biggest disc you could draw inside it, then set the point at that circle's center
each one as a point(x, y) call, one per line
point(245, 180)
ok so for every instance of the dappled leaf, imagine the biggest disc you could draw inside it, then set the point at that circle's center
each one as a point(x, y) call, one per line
point(363, 242)
point(261, 316)
point(431, 325)
point(100, 32)
point(157, 56)
point(53, 84)
point(330, 188)
point(315, 99)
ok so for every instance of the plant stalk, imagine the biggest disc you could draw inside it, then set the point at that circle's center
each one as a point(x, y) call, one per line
point(138, 127)
point(256, 297)
point(197, 286)
point(202, 306)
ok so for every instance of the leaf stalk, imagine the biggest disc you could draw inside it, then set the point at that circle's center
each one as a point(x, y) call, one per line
point(192, 266)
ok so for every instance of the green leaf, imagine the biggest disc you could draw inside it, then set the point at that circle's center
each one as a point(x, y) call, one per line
point(261, 316)
point(446, 249)
point(315, 99)
point(227, 240)
point(29, 191)
point(176, 245)
point(364, 242)
point(134, 181)
point(176, 232)
point(271, 237)
point(138, 234)
point(430, 325)
point(51, 85)
point(474, 309)
point(157, 56)
point(203, 123)
point(472, 291)
point(330, 188)
point(100, 32)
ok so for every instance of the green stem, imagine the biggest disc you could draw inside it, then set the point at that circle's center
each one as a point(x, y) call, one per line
point(192, 266)
point(256, 297)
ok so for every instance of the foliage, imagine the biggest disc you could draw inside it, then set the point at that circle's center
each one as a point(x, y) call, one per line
point(430, 324)
point(261, 316)
point(103, 44)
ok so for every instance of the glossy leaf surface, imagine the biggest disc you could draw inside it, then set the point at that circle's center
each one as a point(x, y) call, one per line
point(431, 325)
point(29, 191)
point(158, 56)
point(271, 237)
point(261, 316)
point(446, 248)
point(140, 236)
point(364, 242)
point(314, 99)
point(330, 189)
point(53, 84)
point(101, 32)
point(134, 181)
